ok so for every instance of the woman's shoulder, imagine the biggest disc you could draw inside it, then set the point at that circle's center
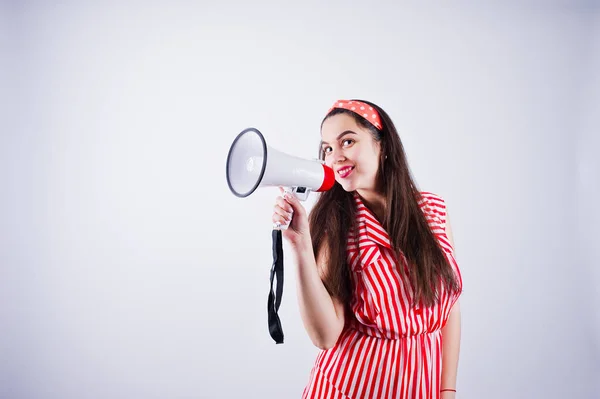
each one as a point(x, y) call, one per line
point(430, 198)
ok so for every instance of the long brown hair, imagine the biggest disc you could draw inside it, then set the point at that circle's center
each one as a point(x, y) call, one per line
point(334, 215)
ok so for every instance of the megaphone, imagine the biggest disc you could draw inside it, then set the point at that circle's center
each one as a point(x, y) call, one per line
point(251, 164)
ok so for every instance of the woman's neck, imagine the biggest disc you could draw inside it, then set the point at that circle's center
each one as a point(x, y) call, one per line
point(374, 201)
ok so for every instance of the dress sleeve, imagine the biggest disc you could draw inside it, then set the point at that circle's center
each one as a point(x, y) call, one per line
point(434, 208)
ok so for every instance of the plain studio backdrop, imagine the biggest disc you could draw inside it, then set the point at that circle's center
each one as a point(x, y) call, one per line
point(128, 268)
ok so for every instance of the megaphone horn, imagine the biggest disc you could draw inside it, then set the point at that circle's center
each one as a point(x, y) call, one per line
point(251, 164)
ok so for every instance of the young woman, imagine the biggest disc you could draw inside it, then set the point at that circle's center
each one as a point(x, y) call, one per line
point(378, 284)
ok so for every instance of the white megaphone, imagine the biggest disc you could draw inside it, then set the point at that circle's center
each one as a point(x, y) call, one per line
point(251, 163)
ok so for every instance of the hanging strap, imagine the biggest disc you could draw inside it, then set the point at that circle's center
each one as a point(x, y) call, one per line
point(274, 301)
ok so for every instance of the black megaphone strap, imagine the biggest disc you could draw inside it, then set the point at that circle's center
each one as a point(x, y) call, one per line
point(274, 301)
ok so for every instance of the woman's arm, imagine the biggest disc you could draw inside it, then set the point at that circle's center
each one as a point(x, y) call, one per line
point(450, 349)
point(450, 338)
point(322, 315)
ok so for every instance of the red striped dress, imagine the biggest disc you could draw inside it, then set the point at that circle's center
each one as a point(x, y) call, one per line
point(388, 349)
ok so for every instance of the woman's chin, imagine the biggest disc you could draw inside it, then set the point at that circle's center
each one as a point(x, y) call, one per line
point(347, 186)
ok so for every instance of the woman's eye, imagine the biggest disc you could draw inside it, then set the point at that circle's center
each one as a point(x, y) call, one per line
point(327, 150)
point(349, 141)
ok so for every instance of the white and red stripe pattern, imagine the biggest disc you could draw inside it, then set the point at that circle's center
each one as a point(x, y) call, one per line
point(388, 349)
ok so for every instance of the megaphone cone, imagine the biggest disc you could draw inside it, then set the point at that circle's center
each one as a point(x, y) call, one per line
point(251, 163)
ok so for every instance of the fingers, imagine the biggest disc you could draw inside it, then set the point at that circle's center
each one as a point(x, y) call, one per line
point(290, 201)
point(284, 205)
point(282, 211)
point(278, 218)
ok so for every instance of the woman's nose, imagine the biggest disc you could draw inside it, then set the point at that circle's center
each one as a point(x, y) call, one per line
point(338, 156)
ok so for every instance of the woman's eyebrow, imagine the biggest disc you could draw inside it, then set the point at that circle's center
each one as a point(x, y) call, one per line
point(339, 136)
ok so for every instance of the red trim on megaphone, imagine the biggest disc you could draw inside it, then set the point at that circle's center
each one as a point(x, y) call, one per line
point(328, 180)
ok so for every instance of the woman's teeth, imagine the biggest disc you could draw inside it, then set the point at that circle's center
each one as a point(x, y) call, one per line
point(346, 171)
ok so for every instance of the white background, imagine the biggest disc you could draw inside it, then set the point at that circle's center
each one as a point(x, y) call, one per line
point(128, 269)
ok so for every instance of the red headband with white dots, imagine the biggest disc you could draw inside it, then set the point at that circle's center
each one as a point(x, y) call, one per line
point(360, 108)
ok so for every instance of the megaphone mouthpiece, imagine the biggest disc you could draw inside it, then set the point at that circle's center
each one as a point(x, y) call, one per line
point(328, 180)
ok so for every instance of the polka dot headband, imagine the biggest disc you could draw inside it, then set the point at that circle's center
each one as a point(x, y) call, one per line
point(360, 108)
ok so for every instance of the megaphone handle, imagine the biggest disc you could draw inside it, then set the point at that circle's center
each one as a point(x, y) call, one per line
point(279, 226)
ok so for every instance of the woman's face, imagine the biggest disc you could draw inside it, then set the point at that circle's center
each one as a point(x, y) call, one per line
point(351, 152)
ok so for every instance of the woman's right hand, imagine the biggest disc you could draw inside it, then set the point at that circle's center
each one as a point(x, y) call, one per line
point(289, 211)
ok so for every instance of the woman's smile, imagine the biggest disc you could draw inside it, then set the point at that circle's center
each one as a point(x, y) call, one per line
point(345, 171)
